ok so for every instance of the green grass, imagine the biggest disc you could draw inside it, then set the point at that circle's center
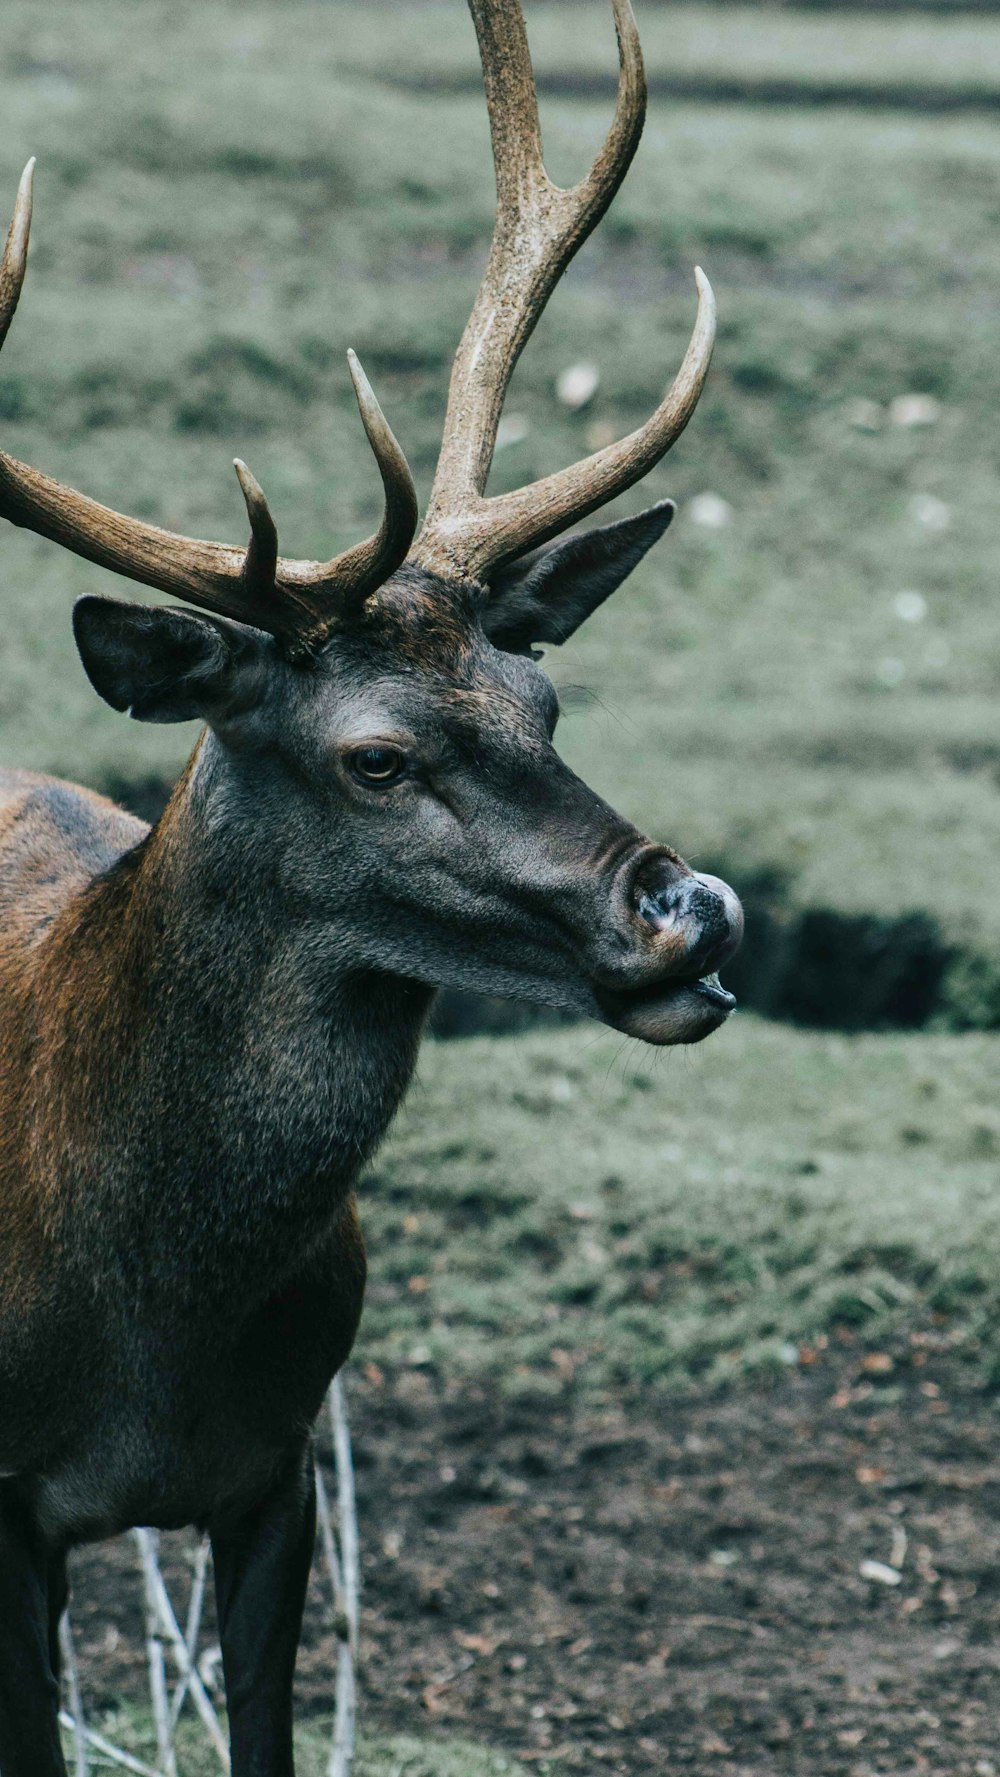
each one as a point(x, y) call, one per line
point(847, 46)
point(229, 196)
point(645, 1221)
point(398, 1756)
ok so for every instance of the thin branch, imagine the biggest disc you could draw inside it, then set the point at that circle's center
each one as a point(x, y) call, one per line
point(71, 1671)
point(347, 1512)
point(330, 1556)
point(107, 1751)
point(192, 1627)
point(146, 1543)
point(182, 1659)
point(342, 1752)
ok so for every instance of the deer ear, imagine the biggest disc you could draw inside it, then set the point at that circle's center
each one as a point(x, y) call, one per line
point(165, 665)
point(545, 596)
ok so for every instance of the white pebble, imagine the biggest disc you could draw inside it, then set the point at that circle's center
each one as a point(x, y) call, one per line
point(915, 410)
point(890, 671)
point(711, 511)
point(930, 512)
point(910, 606)
point(577, 384)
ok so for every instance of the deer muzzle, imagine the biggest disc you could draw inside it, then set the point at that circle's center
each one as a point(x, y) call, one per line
point(683, 927)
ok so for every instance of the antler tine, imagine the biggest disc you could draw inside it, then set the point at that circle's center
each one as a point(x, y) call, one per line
point(354, 575)
point(300, 603)
point(15, 253)
point(539, 227)
point(510, 524)
point(261, 561)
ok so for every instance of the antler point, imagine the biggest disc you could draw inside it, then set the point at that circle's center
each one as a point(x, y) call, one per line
point(367, 400)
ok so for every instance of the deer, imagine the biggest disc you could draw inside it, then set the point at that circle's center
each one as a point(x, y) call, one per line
point(207, 1025)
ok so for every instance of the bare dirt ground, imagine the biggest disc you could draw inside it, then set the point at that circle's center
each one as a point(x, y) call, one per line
point(679, 1585)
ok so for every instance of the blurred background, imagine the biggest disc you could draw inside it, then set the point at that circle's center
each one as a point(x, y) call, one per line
point(713, 1269)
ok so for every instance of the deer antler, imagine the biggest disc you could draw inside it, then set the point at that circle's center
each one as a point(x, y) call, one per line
point(539, 227)
point(298, 602)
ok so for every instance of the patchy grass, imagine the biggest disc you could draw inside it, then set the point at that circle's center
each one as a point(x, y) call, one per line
point(859, 47)
point(561, 1205)
point(226, 203)
point(395, 1756)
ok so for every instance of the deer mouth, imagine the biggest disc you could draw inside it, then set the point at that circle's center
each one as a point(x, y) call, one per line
point(671, 1012)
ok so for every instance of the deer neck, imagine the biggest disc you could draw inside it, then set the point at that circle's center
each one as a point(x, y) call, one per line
point(246, 1067)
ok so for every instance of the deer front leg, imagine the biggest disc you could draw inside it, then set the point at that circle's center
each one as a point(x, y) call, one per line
point(262, 1561)
point(29, 1688)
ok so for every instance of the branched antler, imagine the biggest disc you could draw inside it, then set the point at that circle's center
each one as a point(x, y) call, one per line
point(299, 602)
point(539, 227)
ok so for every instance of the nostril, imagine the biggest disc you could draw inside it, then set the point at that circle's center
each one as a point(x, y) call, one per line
point(698, 911)
point(659, 890)
point(660, 906)
point(689, 901)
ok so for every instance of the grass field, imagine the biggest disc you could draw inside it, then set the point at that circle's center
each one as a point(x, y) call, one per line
point(228, 197)
point(398, 1757)
point(562, 1206)
point(746, 43)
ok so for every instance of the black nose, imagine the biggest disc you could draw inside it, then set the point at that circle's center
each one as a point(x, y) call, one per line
point(701, 910)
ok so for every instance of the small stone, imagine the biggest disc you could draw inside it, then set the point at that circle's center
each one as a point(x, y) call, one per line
point(930, 513)
point(910, 606)
point(890, 671)
point(710, 510)
point(577, 384)
point(915, 410)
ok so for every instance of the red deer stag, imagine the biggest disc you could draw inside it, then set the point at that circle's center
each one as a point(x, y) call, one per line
point(205, 1028)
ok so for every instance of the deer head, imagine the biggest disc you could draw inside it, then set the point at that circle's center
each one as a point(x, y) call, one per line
point(380, 720)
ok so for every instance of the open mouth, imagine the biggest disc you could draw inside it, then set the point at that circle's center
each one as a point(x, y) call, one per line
point(670, 1012)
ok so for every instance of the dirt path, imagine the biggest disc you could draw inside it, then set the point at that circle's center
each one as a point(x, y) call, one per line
point(680, 1589)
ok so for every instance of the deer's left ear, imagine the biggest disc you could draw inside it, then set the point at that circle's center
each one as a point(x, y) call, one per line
point(545, 596)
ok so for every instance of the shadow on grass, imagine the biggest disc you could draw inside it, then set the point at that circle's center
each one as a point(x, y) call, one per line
point(721, 89)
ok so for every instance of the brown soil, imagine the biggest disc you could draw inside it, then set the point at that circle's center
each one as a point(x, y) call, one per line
point(656, 1586)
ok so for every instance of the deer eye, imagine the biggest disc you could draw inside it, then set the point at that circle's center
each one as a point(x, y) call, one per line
point(377, 765)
